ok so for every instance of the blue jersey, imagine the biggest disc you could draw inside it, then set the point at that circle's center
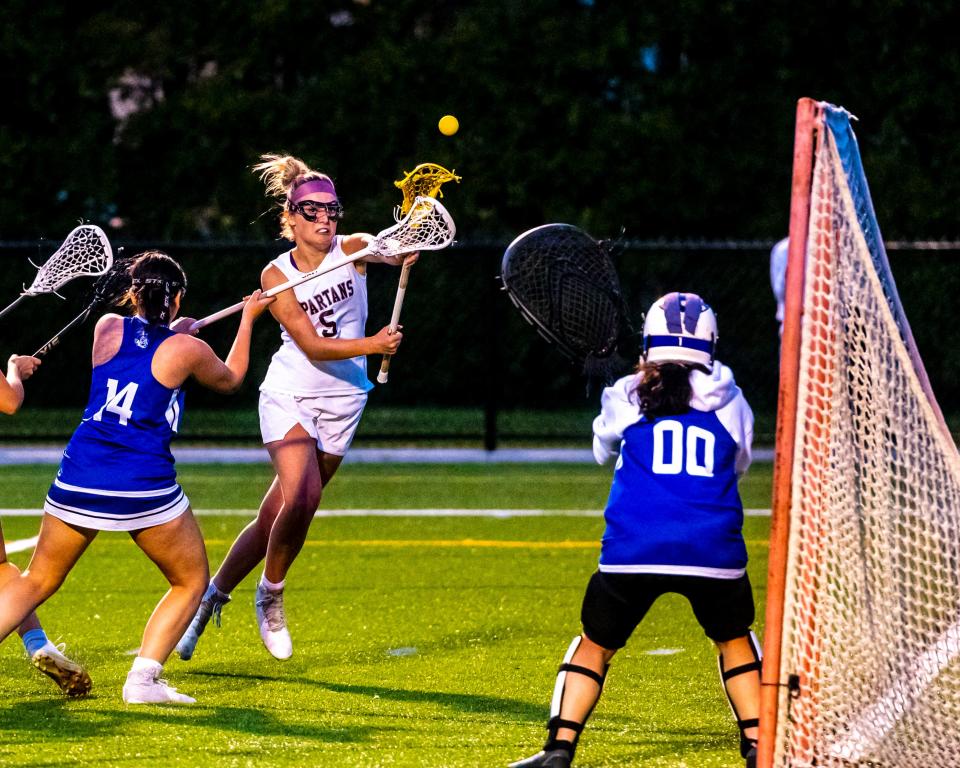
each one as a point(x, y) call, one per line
point(118, 464)
point(674, 507)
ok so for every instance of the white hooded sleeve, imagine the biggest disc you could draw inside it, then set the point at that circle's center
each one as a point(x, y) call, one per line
point(618, 410)
point(718, 392)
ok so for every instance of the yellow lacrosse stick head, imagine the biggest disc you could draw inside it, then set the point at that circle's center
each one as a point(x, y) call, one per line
point(423, 181)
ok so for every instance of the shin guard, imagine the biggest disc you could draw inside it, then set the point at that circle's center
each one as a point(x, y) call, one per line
point(556, 722)
point(744, 669)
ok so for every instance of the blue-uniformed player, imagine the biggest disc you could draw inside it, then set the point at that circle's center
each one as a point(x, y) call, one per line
point(117, 471)
point(681, 432)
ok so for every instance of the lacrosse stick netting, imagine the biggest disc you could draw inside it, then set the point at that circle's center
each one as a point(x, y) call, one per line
point(424, 180)
point(565, 285)
point(426, 227)
point(86, 252)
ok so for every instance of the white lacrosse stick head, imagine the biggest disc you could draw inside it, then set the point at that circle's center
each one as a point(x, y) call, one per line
point(428, 226)
point(85, 252)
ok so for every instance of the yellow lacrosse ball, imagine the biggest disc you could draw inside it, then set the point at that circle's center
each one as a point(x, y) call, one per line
point(448, 125)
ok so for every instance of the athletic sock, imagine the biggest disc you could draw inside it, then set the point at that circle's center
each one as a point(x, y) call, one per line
point(34, 640)
point(143, 664)
point(273, 587)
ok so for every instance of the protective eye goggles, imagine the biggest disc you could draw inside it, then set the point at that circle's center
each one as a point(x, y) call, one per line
point(311, 209)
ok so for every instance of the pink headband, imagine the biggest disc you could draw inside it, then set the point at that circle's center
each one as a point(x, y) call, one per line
point(308, 188)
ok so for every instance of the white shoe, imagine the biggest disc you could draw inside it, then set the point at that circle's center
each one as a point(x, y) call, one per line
point(145, 687)
point(70, 676)
point(273, 623)
point(211, 606)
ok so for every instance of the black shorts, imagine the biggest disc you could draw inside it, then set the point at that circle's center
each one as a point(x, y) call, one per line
point(615, 603)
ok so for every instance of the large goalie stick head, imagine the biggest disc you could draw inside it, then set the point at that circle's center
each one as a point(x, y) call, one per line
point(426, 227)
point(423, 181)
point(565, 285)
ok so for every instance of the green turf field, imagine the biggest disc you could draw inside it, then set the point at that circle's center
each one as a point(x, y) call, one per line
point(419, 641)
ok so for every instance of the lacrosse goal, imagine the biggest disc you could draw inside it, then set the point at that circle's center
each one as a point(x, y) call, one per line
point(862, 663)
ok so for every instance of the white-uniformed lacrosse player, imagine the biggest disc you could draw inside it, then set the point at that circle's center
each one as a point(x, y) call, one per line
point(681, 432)
point(47, 657)
point(117, 471)
point(313, 394)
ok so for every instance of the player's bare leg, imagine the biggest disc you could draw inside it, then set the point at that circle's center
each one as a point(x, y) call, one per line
point(577, 690)
point(276, 535)
point(301, 474)
point(177, 549)
point(57, 550)
point(50, 659)
point(247, 551)
point(250, 547)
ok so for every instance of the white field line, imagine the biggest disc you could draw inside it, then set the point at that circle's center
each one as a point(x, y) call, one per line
point(504, 513)
point(21, 545)
point(13, 455)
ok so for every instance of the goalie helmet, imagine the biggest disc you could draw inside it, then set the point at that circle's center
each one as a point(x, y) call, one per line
point(680, 328)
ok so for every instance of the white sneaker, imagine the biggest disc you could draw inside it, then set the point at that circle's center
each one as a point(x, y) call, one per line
point(146, 687)
point(211, 606)
point(273, 623)
point(70, 676)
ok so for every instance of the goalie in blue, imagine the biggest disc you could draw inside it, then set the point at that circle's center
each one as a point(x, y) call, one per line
point(680, 431)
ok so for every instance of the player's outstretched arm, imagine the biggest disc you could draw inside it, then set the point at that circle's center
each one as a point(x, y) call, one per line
point(189, 356)
point(19, 369)
point(288, 312)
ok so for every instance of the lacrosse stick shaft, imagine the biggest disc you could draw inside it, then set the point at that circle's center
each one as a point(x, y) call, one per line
point(11, 306)
point(395, 241)
point(321, 270)
point(395, 320)
point(56, 339)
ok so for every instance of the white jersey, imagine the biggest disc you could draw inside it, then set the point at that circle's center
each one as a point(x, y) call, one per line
point(336, 304)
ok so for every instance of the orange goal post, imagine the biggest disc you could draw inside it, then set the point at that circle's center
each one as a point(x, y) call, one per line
point(862, 640)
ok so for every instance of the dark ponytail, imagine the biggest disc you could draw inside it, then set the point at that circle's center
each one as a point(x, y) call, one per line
point(155, 279)
point(664, 389)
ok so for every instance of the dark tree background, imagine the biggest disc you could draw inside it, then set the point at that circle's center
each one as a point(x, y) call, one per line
point(666, 118)
point(660, 119)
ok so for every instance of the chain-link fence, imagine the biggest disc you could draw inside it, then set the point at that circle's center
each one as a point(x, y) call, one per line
point(465, 346)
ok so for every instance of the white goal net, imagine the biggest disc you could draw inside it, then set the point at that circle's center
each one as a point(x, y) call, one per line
point(870, 649)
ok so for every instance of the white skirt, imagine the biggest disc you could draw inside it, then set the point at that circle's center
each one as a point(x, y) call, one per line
point(331, 420)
